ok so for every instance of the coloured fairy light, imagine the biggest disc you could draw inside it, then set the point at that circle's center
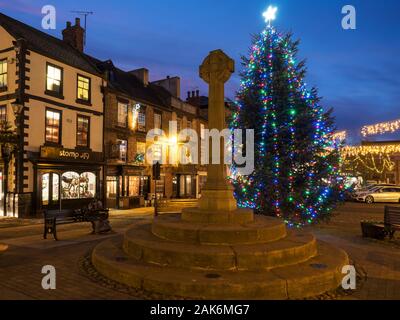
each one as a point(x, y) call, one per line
point(270, 14)
point(290, 185)
point(381, 128)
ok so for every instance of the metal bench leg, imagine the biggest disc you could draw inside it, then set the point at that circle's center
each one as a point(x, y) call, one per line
point(55, 230)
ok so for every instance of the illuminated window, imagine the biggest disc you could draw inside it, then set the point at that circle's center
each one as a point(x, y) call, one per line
point(56, 186)
point(45, 189)
point(82, 131)
point(3, 74)
point(3, 115)
point(122, 114)
point(87, 185)
point(83, 88)
point(142, 122)
point(134, 186)
point(53, 126)
point(156, 152)
point(111, 191)
point(140, 150)
point(54, 79)
point(123, 149)
point(75, 186)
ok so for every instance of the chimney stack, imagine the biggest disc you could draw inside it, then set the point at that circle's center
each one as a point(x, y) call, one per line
point(142, 74)
point(172, 84)
point(74, 35)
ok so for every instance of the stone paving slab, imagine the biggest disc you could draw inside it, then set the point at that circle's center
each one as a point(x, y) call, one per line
point(20, 265)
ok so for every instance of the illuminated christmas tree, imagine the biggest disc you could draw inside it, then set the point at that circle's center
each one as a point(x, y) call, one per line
point(297, 163)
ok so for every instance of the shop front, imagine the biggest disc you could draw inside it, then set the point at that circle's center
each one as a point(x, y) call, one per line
point(185, 183)
point(67, 179)
point(127, 187)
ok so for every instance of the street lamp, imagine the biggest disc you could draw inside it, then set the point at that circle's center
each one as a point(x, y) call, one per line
point(18, 109)
point(6, 150)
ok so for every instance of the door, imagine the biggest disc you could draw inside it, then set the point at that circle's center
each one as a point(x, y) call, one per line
point(50, 186)
point(111, 192)
point(2, 213)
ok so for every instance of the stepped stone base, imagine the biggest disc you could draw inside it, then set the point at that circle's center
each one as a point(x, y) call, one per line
point(254, 259)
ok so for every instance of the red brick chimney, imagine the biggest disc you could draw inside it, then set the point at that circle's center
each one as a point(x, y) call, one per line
point(74, 35)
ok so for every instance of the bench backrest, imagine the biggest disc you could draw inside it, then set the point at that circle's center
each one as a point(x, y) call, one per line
point(66, 213)
point(392, 215)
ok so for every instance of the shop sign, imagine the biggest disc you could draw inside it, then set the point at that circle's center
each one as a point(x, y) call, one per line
point(70, 154)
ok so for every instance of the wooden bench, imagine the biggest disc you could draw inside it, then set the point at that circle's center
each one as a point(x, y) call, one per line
point(392, 220)
point(53, 218)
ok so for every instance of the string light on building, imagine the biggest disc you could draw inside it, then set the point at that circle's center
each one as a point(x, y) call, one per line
point(376, 159)
point(348, 152)
point(381, 128)
point(340, 136)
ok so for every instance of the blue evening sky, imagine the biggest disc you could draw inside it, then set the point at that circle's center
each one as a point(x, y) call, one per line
point(357, 71)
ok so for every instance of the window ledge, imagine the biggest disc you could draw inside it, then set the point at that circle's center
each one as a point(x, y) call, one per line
point(54, 94)
point(80, 148)
point(53, 144)
point(84, 102)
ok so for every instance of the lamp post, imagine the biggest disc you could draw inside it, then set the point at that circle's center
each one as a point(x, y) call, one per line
point(6, 150)
point(18, 109)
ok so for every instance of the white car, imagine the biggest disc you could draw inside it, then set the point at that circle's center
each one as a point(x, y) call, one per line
point(380, 194)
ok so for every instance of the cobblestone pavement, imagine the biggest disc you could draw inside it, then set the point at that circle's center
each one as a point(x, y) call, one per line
point(21, 264)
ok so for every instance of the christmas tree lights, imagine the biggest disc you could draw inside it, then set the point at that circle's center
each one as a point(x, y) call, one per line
point(297, 160)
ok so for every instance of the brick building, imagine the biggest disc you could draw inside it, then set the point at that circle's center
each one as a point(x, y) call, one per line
point(52, 95)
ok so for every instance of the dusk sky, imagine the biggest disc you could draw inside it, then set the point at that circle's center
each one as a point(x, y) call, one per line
point(356, 71)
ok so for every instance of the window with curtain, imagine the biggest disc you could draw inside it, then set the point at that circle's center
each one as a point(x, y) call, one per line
point(53, 126)
point(3, 74)
point(82, 134)
point(122, 114)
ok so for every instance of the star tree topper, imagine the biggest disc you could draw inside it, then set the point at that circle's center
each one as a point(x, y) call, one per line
point(270, 14)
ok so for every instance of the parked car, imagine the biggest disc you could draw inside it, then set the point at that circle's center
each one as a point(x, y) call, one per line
point(380, 194)
point(370, 188)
